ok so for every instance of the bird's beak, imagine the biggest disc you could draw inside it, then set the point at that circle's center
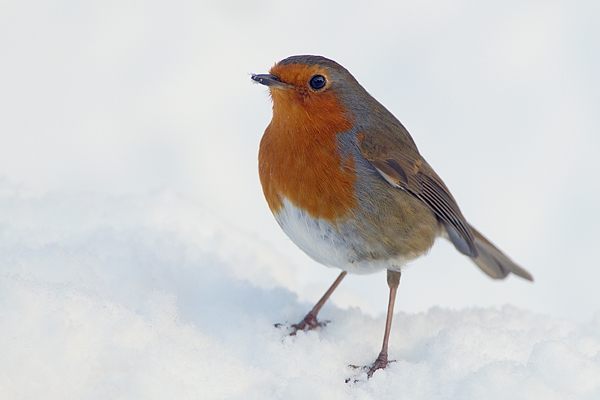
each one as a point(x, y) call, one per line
point(269, 80)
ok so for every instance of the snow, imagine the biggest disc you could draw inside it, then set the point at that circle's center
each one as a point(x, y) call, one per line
point(143, 297)
point(138, 257)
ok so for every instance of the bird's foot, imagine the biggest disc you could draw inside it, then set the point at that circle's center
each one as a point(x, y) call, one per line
point(380, 363)
point(309, 323)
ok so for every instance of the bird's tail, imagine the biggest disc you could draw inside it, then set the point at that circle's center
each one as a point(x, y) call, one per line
point(493, 261)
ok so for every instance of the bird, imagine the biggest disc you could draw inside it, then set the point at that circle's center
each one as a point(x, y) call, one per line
point(345, 181)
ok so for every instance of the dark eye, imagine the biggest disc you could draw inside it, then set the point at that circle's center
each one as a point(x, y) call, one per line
point(317, 82)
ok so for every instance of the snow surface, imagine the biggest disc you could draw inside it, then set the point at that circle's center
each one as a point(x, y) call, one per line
point(152, 297)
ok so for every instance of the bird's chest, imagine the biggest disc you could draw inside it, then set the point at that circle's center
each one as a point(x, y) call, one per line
point(310, 188)
point(308, 171)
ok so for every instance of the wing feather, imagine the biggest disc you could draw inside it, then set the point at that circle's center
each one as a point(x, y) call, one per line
point(403, 167)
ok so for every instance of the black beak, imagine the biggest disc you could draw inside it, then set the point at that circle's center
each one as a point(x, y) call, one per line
point(269, 80)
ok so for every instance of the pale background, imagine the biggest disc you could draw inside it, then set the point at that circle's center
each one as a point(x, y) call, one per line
point(138, 258)
point(116, 98)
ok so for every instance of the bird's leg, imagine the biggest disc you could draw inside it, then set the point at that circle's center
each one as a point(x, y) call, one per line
point(393, 280)
point(310, 321)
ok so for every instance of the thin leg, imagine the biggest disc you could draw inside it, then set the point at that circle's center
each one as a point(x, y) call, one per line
point(310, 321)
point(393, 280)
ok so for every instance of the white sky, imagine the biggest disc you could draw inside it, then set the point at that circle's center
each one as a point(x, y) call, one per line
point(501, 98)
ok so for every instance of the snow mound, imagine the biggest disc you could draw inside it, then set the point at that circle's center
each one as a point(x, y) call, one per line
point(151, 297)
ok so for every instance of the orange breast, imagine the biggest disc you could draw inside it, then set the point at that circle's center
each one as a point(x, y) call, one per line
point(299, 159)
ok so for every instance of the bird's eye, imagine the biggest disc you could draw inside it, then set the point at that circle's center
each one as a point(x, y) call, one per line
point(317, 82)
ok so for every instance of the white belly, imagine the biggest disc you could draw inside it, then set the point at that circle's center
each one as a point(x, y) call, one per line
point(334, 246)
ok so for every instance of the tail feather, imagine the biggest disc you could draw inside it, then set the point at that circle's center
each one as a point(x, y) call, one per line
point(493, 261)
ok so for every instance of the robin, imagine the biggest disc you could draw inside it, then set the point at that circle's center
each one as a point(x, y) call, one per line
point(345, 181)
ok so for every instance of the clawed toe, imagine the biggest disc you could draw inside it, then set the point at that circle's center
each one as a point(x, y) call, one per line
point(380, 363)
point(309, 323)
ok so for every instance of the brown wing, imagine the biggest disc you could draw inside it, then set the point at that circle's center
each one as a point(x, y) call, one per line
point(399, 162)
